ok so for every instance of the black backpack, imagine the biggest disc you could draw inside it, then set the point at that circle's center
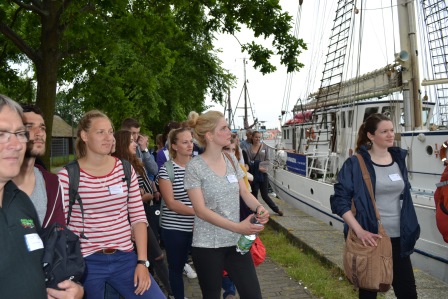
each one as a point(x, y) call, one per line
point(62, 258)
point(73, 176)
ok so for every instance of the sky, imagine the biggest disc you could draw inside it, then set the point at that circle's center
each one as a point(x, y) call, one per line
point(270, 94)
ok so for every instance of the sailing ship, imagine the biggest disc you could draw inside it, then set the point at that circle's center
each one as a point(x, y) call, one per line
point(323, 131)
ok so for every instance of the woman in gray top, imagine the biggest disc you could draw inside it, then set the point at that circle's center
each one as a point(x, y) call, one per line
point(214, 184)
point(258, 153)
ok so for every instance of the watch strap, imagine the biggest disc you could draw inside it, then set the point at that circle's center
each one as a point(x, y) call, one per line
point(143, 262)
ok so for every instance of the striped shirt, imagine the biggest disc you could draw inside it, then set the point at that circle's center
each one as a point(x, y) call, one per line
point(171, 219)
point(106, 209)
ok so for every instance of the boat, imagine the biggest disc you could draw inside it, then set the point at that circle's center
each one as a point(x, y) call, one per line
point(322, 133)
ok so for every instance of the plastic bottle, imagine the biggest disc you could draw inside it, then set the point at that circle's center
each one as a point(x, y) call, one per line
point(245, 241)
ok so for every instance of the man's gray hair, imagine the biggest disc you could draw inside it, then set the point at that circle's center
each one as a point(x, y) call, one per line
point(5, 101)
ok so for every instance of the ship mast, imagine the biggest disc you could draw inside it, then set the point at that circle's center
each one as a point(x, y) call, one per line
point(246, 120)
point(410, 71)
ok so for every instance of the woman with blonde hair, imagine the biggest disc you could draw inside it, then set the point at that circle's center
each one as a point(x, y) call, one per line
point(214, 184)
point(177, 216)
point(110, 213)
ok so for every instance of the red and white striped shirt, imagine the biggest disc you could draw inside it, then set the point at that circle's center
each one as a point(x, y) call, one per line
point(106, 209)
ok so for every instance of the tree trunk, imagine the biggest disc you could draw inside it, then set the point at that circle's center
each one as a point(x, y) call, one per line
point(47, 65)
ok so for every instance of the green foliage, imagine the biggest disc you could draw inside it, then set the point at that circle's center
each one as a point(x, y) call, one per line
point(151, 60)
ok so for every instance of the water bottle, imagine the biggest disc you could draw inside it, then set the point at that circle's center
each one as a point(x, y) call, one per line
point(246, 241)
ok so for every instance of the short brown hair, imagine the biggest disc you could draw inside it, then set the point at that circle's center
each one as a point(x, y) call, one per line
point(129, 123)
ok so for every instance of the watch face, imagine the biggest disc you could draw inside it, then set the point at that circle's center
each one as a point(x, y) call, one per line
point(146, 263)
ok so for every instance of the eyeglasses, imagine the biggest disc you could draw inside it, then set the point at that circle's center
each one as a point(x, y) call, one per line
point(5, 136)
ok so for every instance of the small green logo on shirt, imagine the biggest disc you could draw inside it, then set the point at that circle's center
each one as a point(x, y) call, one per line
point(27, 223)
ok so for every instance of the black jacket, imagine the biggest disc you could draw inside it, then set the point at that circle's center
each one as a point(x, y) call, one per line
point(21, 274)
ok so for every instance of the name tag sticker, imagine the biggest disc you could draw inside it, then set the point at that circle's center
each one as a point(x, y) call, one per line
point(232, 178)
point(394, 177)
point(116, 189)
point(33, 242)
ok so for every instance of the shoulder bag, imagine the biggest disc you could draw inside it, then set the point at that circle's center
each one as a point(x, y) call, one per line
point(368, 267)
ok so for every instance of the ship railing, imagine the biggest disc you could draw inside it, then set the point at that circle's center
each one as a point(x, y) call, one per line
point(320, 166)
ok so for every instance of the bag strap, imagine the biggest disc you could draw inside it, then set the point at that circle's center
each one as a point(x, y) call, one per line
point(230, 159)
point(368, 181)
point(169, 170)
point(73, 171)
point(127, 173)
point(259, 148)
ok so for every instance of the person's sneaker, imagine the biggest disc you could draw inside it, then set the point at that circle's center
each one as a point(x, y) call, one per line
point(189, 271)
point(280, 212)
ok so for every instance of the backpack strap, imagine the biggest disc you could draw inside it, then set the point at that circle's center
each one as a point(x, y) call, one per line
point(166, 152)
point(441, 184)
point(169, 170)
point(230, 159)
point(73, 171)
point(127, 173)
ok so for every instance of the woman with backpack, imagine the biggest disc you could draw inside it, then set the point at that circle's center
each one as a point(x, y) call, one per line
point(177, 216)
point(109, 214)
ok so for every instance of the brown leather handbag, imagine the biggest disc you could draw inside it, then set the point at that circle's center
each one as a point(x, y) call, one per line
point(368, 267)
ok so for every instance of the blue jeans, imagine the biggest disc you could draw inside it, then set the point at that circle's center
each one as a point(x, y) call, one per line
point(177, 246)
point(117, 270)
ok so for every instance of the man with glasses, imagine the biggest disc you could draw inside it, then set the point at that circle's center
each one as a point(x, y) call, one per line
point(21, 274)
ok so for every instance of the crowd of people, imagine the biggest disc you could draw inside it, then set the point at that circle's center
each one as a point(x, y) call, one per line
point(189, 196)
point(195, 196)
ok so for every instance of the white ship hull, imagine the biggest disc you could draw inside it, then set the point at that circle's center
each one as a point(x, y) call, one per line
point(312, 196)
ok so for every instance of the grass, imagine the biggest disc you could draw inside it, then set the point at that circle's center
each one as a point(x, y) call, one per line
point(322, 281)
point(61, 160)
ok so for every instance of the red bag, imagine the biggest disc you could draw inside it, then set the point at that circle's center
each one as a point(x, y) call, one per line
point(441, 203)
point(258, 251)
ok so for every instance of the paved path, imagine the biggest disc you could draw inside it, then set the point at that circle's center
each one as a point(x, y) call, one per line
point(274, 281)
point(327, 243)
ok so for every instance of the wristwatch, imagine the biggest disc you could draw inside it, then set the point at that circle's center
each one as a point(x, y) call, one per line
point(145, 150)
point(143, 262)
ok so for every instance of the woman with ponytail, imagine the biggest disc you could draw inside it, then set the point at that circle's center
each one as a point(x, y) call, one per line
point(387, 168)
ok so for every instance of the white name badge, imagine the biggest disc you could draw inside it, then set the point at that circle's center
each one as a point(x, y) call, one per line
point(394, 177)
point(116, 189)
point(232, 178)
point(33, 242)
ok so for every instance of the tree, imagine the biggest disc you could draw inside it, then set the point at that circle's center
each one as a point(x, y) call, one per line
point(153, 60)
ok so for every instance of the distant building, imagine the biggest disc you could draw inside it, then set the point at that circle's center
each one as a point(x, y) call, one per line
point(271, 134)
point(63, 138)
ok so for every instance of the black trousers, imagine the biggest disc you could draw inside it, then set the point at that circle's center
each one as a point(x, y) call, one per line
point(263, 187)
point(403, 281)
point(210, 263)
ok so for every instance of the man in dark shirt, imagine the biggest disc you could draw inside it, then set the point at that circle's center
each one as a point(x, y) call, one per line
point(21, 274)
